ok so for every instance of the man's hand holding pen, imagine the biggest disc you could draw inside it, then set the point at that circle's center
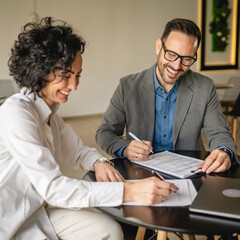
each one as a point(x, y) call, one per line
point(138, 150)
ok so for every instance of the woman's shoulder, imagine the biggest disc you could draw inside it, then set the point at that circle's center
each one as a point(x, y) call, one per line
point(15, 107)
point(16, 101)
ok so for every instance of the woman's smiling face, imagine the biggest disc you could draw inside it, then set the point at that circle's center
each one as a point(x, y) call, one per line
point(58, 88)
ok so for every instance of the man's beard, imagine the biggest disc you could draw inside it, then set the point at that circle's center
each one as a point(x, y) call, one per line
point(166, 78)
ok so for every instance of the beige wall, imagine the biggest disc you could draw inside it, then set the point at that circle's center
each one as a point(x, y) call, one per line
point(120, 37)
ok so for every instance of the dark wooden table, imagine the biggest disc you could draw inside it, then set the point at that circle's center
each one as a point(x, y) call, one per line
point(173, 219)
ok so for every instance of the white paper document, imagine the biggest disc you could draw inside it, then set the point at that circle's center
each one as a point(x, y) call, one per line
point(173, 164)
point(183, 197)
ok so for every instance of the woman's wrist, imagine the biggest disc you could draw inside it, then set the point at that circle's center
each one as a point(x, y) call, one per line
point(103, 160)
point(128, 192)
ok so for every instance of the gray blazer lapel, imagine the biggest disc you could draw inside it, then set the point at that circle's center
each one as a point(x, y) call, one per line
point(184, 99)
point(146, 93)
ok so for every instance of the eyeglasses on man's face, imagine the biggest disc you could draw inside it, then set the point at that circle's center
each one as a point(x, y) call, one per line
point(172, 56)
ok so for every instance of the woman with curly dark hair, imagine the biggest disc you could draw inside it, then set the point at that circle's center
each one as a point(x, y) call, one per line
point(46, 63)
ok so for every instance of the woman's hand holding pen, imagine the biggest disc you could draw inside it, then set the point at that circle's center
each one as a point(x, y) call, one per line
point(138, 151)
point(148, 191)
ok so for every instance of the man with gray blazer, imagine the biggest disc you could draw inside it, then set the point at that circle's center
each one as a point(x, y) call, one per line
point(168, 105)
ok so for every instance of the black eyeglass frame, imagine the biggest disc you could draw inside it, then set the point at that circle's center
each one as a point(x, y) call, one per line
point(178, 56)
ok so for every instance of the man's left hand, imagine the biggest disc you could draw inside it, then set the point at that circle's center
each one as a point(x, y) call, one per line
point(217, 161)
point(104, 172)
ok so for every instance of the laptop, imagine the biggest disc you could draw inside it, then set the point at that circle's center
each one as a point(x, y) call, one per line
point(218, 196)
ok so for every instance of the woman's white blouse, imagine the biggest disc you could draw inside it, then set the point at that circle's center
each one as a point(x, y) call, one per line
point(30, 152)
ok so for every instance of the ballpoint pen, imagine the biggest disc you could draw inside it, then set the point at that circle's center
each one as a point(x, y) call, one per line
point(158, 175)
point(137, 139)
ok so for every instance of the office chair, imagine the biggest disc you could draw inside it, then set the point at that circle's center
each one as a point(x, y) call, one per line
point(235, 113)
point(6, 89)
point(230, 94)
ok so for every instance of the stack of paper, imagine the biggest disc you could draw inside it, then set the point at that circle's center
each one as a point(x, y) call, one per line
point(173, 164)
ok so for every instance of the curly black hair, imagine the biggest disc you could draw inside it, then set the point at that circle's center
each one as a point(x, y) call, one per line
point(37, 50)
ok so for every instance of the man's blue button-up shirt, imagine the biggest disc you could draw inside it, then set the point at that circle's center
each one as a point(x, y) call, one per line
point(165, 104)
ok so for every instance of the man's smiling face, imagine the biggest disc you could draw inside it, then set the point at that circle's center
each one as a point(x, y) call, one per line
point(169, 72)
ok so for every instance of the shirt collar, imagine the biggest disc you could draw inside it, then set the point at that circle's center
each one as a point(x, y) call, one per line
point(44, 111)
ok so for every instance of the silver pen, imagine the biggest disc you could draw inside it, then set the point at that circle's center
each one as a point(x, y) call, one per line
point(158, 175)
point(137, 139)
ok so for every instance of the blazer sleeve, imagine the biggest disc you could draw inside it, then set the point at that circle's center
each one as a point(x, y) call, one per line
point(109, 135)
point(215, 125)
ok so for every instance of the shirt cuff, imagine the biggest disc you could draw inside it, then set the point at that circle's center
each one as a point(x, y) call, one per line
point(119, 152)
point(106, 194)
point(232, 154)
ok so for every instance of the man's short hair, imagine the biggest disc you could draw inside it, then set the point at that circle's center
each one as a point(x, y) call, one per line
point(185, 26)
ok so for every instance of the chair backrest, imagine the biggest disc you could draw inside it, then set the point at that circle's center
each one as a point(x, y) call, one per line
point(231, 94)
point(236, 108)
point(6, 89)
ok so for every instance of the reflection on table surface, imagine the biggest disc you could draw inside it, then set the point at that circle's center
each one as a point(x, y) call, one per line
point(175, 219)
